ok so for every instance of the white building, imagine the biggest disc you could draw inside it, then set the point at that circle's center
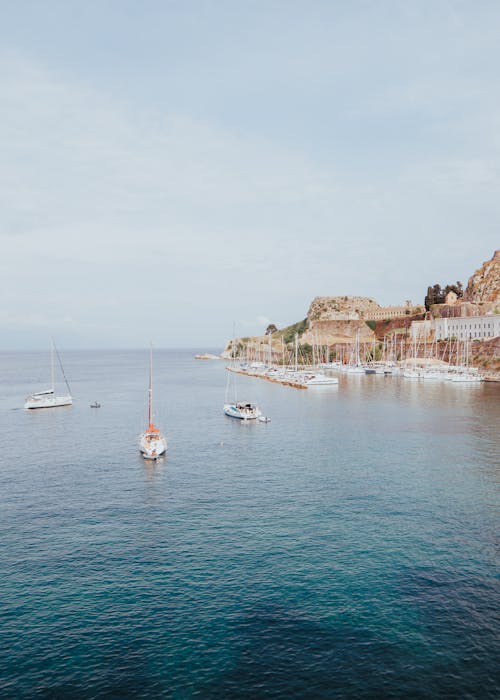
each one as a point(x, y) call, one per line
point(420, 330)
point(467, 327)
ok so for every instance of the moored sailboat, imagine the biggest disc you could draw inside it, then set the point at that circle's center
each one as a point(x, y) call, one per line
point(48, 398)
point(242, 410)
point(152, 444)
point(319, 379)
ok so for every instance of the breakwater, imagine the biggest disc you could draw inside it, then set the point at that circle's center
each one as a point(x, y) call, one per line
point(278, 379)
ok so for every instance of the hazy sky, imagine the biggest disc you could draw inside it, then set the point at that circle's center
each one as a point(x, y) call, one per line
point(168, 168)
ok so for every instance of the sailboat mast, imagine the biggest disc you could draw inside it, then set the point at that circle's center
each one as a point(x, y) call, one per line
point(52, 366)
point(150, 390)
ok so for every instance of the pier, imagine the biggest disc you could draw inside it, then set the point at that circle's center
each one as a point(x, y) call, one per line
point(286, 381)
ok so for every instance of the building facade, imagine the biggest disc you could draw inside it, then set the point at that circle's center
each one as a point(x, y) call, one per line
point(384, 313)
point(420, 330)
point(467, 328)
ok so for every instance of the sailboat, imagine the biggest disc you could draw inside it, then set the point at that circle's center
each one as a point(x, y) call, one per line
point(152, 444)
point(237, 409)
point(355, 366)
point(48, 398)
point(465, 373)
point(413, 373)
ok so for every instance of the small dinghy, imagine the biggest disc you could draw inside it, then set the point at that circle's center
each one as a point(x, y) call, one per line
point(96, 404)
point(264, 419)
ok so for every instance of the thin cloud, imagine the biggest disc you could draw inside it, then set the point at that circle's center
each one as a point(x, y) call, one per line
point(218, 188)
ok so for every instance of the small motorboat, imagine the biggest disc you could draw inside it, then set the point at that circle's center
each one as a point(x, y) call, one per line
point(96, 404)
point(264, 419)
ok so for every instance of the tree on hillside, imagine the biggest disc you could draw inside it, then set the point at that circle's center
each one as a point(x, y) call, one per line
point(271, 329)
point(429, 298)
point(437, 295)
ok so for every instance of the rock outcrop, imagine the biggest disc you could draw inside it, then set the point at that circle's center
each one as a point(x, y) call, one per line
point(332, 332)
point(340, 309)
point(333, 320)
point(484, 285)
point(486, 355)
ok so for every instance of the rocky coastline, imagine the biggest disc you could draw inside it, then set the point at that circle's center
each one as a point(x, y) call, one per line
point(337, 322)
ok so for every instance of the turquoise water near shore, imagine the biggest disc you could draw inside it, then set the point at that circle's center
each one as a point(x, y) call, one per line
point(347, 549)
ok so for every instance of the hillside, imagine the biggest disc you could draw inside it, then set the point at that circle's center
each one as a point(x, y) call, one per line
point(339, 320)
point(484, 284)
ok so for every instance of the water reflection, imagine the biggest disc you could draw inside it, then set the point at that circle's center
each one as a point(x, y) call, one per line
point(153, 468)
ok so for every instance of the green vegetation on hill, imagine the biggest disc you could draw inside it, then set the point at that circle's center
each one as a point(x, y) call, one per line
point(437, 295)
point(288, 333)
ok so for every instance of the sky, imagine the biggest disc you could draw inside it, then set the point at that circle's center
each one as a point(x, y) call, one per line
point(170, 168)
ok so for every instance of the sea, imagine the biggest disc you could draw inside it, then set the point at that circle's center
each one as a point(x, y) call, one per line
point(346, 549)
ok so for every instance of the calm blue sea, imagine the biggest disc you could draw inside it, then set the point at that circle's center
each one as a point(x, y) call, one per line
point(347, 549)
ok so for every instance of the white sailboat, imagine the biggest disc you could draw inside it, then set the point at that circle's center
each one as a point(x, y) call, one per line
point(412, 373)
point(355, 365)
point(48, 398)
point(152, 444)
point(465, 373)
point(241, 410)
point(319, 379)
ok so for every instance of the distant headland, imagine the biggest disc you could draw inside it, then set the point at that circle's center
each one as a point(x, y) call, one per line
point(448, 314)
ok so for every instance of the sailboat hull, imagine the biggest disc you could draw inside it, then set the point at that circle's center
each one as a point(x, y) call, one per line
point(355, 369)
point(242, 412)
point(465, 377)
point(152, 448)
point(320, 380)
point(48, 402)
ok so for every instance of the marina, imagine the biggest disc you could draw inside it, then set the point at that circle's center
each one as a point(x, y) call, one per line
point(306, 377)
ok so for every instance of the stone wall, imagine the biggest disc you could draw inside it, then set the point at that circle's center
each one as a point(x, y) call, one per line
point(464, 309)
point(340, 309)
point(331, 332)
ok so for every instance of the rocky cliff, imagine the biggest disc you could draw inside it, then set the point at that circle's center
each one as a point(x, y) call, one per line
point(486, 354)
point(340, 309)
point(333, 320)
point(484, 285)
point(332, 332)
point(330, 321)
